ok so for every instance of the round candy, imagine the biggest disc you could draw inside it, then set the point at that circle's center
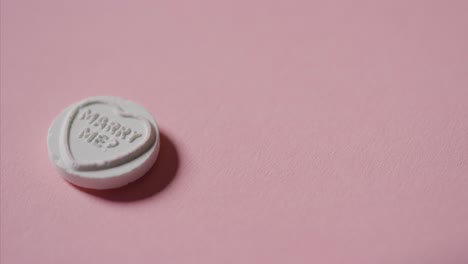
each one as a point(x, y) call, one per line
point(103, 142)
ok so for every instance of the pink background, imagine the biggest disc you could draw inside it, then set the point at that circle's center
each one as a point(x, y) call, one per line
point(294, 131)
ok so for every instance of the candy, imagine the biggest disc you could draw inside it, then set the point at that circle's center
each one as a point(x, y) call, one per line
point(103, 142)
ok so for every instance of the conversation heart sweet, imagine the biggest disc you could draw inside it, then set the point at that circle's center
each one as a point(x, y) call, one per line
point(103, 142)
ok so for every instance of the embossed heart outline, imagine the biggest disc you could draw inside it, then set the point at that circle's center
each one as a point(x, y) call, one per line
point(144, 145)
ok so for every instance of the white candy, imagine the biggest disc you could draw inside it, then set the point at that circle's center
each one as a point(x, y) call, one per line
point(103, 142)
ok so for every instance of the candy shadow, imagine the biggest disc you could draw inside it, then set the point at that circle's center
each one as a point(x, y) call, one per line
point(157, 179)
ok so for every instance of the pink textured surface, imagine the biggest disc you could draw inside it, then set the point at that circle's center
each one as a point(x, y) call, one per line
point(294, 131)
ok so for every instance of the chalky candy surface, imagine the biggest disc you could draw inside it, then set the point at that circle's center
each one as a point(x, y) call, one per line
point(103, 142)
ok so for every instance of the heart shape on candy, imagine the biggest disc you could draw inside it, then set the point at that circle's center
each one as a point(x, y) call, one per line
point(114, 142)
